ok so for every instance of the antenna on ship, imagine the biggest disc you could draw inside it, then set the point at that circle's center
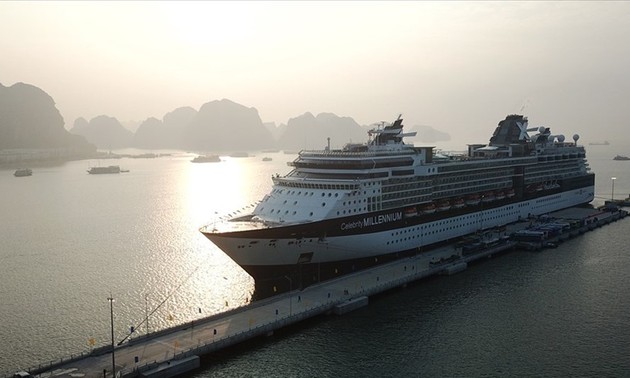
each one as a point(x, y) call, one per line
point(524, 106)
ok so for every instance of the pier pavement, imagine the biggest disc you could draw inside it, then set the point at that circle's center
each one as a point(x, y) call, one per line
point(152, 355)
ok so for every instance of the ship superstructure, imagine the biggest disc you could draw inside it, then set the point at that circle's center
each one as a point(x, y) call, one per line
point(339, 210)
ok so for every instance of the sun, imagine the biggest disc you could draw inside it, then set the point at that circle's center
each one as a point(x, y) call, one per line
point(207, 23)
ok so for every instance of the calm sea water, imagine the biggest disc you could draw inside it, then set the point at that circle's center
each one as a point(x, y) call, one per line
point(69, 240)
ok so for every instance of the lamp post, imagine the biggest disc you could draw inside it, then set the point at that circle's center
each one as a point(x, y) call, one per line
point(111, 311)
point(481, 213)
point(290, 295)
point(612, 194)
point(146, 310)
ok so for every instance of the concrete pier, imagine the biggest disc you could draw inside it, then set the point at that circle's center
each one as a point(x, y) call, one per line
point(176, 351)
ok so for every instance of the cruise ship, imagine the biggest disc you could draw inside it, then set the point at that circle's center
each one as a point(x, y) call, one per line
point(338, 211)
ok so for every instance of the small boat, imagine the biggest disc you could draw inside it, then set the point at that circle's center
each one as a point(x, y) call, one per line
point(411, 212)
point(473, 199)
point(23, 172)
point(428, 208)
point(621, 157)
point(444, 205)
point(488, 197)
point(459, 203)
point(104, 170)
point(206, 159)
point(266, 158)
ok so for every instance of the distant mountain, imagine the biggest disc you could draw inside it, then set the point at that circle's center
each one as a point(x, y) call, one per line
point(428, 134)
point(226, 126)
point(276, 131)
point(103, 131)
point(310, 132)
point(166, 133)
point(29, 119)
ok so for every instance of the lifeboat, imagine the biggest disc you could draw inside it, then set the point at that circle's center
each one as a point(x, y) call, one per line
point(428, 208)
point(459, 203)
point(500, 195)
point(444, 205)
point(488, 197)
point(473, 199)
point(411, 212)
point(510, 193)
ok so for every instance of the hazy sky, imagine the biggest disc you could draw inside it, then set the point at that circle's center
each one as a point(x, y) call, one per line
point(457, 66)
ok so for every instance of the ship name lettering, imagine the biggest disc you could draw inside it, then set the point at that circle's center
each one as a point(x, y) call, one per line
point(383, 218)
point(373, 221)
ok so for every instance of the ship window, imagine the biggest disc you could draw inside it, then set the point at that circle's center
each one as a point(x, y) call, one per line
point(336, 194)
point(323, 204)
point(311, 213)
point(323, 194)
point(329, 194)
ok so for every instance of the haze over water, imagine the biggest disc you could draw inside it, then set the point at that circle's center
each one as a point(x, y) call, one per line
point(70, 239)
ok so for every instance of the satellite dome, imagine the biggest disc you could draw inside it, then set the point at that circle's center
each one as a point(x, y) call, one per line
point(575, 137)
point(560, 138)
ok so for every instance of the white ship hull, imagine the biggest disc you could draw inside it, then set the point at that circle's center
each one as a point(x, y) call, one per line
point(256, 253)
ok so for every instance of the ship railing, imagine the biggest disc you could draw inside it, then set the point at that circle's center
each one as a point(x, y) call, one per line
point(336, 153)
point(306, 183)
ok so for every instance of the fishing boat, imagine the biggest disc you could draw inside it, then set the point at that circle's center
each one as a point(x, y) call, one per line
point(23, 172)
point(206, 159)
point(104, 170)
